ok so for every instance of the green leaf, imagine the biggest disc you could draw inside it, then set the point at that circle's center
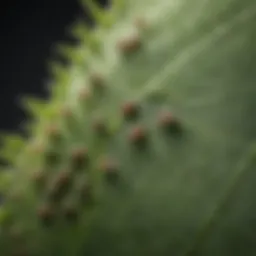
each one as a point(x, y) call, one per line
point(178, 178)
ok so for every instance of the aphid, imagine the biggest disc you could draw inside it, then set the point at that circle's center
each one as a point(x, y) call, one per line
point(129, 44)
point(97, 80)
point(70, 211)
point(110, 169)
point(53, 132)
point(61, 185)
point(130, 110)
point(84, 94)
point(46, 214)
point(169, 123)
point(100, 127)
point(63, 178)
point(79, 157)
point(138, 135)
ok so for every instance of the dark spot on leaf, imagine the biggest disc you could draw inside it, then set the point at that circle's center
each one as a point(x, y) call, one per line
point(46, 214)
point(79, 158)
point(130, 110)
point(169, 123)
point(100, 127)
point(60, 185)
point(70, 211)
point(53, 133)
point(97, 81)
point(110, 169)
point(130, 44)
point(138, 136)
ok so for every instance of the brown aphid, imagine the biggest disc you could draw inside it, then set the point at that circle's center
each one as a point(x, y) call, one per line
point(63, 178)
point(60, 185)
point(110, 169)
point(70, 211)
point(130, 44)
point(108, 166)
point(130, 110)
point(97, 80)
point(100, 127)
point(84, 94)
point(138, 135)
point(46, 214)
point(169, 123)
point(52, 131)
point(79, 157)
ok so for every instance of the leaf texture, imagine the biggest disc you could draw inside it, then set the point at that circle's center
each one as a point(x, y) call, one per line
point(155, 191)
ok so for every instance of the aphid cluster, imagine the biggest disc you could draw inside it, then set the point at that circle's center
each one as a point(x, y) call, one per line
point(57, 186)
